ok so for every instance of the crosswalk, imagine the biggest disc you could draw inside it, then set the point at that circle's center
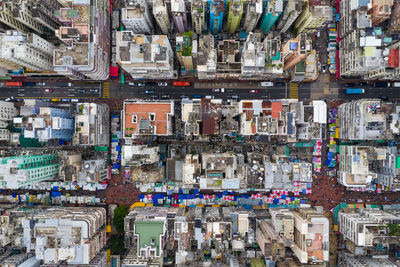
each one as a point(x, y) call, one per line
point(293, 90)
point(106, 90)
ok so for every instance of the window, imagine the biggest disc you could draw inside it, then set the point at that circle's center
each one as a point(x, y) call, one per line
point(152, 116)
point(134, 119)
point(153, 241)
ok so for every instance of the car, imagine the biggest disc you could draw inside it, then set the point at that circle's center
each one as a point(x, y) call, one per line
point(41, 83)
point(184, 96)
point(94, 90)
point(149, 92)
point(47, 90)
point(349, 84)
point(141, 84)
point(363, 83)
point(381, 84)
point(384, 97)
point(2, 84)
point(196, 96)
point(132, 84)
point(323, 68)
point(165, 96)
point(151, 84)
point(65, 100)
point(46, 99)
point(82, 91)
point(253, 91)
point(209, 97)
point(267, 84)
point(280, 84)
point(162, 84)
point(235, 97)
point(218, 90)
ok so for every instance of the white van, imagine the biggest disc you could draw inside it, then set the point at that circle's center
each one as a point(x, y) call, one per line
point(396, 84)
point(267, 84)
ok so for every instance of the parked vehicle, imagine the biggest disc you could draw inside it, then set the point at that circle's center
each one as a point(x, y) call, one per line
point(196, 96)
point(41, 83)
point(47, 90)
point(132, 84)
point(235, 97)
point(149, 92)
point(396, 84)
point(29, 84)
point(355, 91)
point(151, 84)
point(384, 97)
point(253, 91)
point(75, 100)
point(13, 83)
point(162, 84)
point(82, 91)
point(267, 84)
point(141, 84)
point(94, 90)
point(349, 84)
point(209, 97)
point(63, 84)
point(165, 96)
point(280, 84)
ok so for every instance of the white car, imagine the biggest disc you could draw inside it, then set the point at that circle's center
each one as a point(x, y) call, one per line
point(267, 84)
point(162, 84)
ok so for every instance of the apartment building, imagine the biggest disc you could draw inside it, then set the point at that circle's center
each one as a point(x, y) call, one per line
point(235, 12)
point(198, 12)
point(228, 59)
point(147, 118)
point(354, 166)
point(178, 11)
point(47, 124)
point(295, 50)
point(394, 21)
point(216, 9)
point(7, 114)
point(69, 235)
point(92, 126)
point(84, 53)
point(367, 231)
point(186, 52)
point(19, 50)
point(253, 57)
point(290, 13)
point(380, 11)
point(207, 58)
point(274, 58)
point(23, 171)
point(388, 167)
point(253, 14)
point(272, 11)
point(136, 16)
point(145, 236)
point(161, 15)
point(145, 56)
point(314, 15)
point(362, 120)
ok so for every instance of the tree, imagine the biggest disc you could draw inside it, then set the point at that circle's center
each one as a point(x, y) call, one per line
point(119, 216)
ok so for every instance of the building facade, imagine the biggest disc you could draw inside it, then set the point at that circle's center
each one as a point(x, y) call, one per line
point(235, 12)
point(178, 11)
point(272, 10)
point(198, 12)
point(136, 17)
point(216, 10)
point(253, 14)
point(160, 13)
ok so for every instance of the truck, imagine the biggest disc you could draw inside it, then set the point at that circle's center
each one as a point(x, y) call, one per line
point(355, 91)
point(63, 84)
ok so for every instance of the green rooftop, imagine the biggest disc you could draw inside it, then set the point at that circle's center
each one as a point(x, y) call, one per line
point(149, 233)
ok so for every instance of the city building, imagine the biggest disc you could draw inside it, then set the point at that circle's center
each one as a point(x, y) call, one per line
point(388, 167)
point(362, 120)
point(354, 166)
point(206, 58)
point(23, 171)
point(314, 15)
point(84, 52)
point(272, 10)
point(216, 9)
point(136, 17)
point(312, 120)
point(290, 13)
point(66, 235)
point(307, 69)
point(235, 12)
point(19, 50)
point(137, 155)
point(198, 12)
point(380, 11)
point(311, 235)
point(45, 123)
point(7, 114)
point(253, 14)
point(394, 21)
point(186, 52)
point(92, 124)
point(274, 59)
point(147, 118)
point(28, 16)
point(295, 50)
point(390, 68)
point(348, 259)
point(368, 231)
point(253, 57)
point(228, 59)
point(178, 11)
point(276, 119)
point(145, 236)
point(145, 56)
point(161, 15)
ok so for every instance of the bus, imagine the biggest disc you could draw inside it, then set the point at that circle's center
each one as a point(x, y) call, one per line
point(179, 83)
point(13, 83)
point(122, 78)
point(355, 91)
